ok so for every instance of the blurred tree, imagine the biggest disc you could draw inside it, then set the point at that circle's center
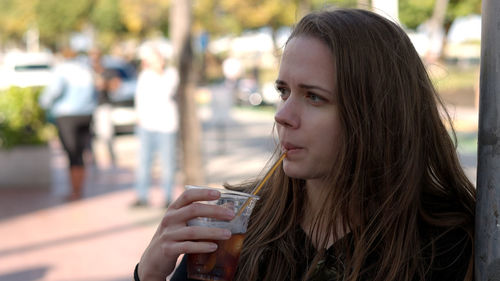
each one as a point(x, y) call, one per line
point(303, 7)
point(460, 8)
point(105, 15)
point(318, 4)
point(15, 18)
point(436, 31)
point(57, 19)
point(234, 16)
point(106, 19)
point(216, 22)
point(412, 13)
point(273, 13)
point(363, 4)
point(181, 35)
point(438, 15)
point(143, 17)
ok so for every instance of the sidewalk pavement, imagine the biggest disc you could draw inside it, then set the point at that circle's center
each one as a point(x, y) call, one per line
point(100, 238)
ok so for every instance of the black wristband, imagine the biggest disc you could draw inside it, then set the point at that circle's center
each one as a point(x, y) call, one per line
point(136, 273)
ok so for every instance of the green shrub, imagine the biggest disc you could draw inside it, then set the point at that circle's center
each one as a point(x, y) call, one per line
point(22, 120)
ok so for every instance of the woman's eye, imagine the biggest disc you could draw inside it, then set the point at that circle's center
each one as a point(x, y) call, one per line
point(316, 99)
point(284, 92)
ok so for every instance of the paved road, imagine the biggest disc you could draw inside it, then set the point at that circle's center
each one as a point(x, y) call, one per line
point(100, 238)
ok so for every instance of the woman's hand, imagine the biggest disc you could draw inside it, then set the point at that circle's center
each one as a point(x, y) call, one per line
point(173, 237)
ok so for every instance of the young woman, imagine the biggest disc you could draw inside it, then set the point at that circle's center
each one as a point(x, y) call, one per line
point(70, 99)
point(371, 187)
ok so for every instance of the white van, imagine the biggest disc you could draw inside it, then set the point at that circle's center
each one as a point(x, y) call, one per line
point(26, 69)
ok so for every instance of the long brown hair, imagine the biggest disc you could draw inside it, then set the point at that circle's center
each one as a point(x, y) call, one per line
point(396, 162)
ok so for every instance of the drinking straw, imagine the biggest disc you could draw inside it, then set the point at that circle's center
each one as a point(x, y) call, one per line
point(261, 184)
point(268, 175)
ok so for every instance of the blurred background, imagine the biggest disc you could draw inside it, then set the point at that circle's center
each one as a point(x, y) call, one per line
point(227, 54)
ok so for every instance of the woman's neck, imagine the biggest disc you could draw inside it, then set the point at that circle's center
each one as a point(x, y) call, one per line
point(315, 201)
point(315, 195)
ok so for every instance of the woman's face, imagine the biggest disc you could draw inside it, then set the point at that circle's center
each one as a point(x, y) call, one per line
point(307, 117)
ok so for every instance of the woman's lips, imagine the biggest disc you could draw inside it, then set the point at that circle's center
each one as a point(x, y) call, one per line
point(290, 148)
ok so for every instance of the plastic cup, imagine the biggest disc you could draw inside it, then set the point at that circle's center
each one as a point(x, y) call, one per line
point(221, 264)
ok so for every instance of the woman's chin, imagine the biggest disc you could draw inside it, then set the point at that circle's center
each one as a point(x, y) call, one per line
point(296, 171)
point(293, 172)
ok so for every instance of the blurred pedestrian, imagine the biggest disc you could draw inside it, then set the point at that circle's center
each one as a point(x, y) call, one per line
point(221, 104)
point(104, 83)
point(157, 115)
point(223, 99)
point(71, 100)
point(232, 70)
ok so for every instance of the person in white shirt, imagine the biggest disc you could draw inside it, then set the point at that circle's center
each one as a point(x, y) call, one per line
point(158, 122)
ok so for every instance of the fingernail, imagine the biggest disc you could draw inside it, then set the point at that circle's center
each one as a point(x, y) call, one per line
point(229, 213)
point(214, 193)
point(227, 233)
point(213, 246)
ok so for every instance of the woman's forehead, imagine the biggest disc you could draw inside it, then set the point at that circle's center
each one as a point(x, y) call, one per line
point(307, 58)
point(307, 47)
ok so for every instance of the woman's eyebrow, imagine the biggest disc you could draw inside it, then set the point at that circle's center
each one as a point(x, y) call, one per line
point(314, 87)
point(304, 86)
point(279, 82)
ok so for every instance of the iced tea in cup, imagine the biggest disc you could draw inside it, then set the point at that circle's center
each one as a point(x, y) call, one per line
point(221, 264)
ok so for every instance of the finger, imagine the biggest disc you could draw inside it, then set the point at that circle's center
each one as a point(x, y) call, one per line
point(193, 233)
point(194, 210)
point(192, 195)
point(191, 247)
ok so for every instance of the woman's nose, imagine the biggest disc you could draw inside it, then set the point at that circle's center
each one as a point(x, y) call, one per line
point(287, 114)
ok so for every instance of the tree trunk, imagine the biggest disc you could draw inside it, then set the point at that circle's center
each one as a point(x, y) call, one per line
point(436, 30)
point(439, 12)
point(190, 129)
point(363, 4)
